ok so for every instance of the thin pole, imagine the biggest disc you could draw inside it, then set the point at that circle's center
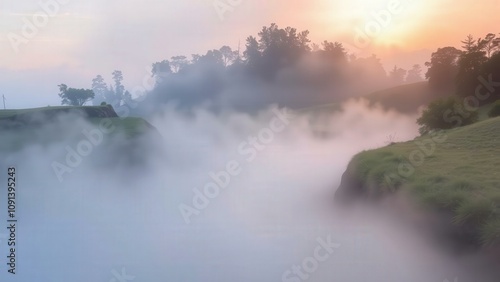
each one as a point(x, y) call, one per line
point(3, 96)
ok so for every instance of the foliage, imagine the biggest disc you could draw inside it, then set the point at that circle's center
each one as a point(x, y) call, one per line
point(397, 75)
point(100, 90)
point(414, 74)
point(495, 110)
point(73, 96)
point(285, 58)
point(443, 68)
point(479, 68)
point(469, 65)
point(115, 95)
point(282, 58)
point(490, 71)
point(445, 114)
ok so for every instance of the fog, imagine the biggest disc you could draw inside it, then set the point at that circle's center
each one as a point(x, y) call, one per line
point(313, 78)
point(124, 222)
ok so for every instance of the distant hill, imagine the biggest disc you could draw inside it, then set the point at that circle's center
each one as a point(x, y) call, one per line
point(406, 98)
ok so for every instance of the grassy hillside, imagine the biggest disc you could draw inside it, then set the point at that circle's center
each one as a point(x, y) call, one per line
point(89, 111)
point(457, 173)
point(22, 124)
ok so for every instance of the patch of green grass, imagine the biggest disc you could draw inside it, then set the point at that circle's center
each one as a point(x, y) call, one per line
point(474, 210)
point(494, 109)
point(31, 116)
point(5, 114)
point(460, 175)
point(490, 232)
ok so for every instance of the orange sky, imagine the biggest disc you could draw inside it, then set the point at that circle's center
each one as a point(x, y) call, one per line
point(419, 24)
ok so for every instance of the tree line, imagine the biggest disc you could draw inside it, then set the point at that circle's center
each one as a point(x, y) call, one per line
point(280, 56)
point(472, 73)
point(282, 66)
point(459, 69)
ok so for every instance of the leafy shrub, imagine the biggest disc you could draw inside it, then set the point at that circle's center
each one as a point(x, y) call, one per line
point(446, 114)
point(495, 111)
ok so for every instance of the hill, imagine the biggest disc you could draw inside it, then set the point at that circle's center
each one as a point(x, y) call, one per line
point(19, 127)
point(27, 114)
point(407, 98)
point(453, 173)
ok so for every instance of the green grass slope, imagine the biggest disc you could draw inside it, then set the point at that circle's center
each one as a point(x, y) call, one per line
point(19, 126)
point(456, 172)
point(90, 111)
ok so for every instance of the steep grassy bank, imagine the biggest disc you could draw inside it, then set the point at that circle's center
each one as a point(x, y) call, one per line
point(455, 172)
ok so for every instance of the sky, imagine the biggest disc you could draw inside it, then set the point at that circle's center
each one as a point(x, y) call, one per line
point(44, 43)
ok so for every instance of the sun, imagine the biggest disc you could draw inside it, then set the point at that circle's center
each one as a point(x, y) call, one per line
point(382, 22)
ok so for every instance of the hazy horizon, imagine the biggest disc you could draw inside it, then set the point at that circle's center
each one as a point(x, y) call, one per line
point(79, 40)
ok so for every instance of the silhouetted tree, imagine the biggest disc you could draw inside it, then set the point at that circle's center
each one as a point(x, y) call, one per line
point(488, 81)
point(119, 88)
point(397, 75)
point(116, 94)
point(415, 74)
point(164, 68)
point(491, 43)
point(369, 68)
point(252, 54)
point(496, 44)
point(213, 58)
point(334, 52)
point(469, 44)
point(100, 90)
point(469, 64)
point(73, 96)
point(280, 48)
point(443, 68)
point(315, 47)
point(228, 55)
point(178, 63)
point(127, 98)
point(110, 95)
